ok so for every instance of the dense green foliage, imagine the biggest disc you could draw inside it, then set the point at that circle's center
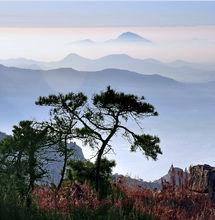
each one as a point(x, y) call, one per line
point(13, 211)
point(85, 171)
point(106, 213)
point(22, 159)
point(10, 211)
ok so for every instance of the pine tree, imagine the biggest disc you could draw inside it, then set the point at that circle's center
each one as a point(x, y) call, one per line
point(107, 115)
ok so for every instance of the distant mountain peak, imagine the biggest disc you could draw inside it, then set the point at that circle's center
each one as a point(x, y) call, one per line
point(86, 41)
point(118, 55)
point(130, 36)
point(123, 37)
point(73, 56)
point(152, 60)
point(83, 42)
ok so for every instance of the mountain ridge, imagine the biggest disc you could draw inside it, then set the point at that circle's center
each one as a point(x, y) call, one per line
point(184, 73)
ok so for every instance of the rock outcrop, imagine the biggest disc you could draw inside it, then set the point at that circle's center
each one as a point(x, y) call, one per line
point(54, 168)
point(202, 180)
point(132, 182)
point(77, 151)
point(175, 176)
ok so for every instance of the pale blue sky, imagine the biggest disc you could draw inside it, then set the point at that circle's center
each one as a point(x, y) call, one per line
point(127, 13)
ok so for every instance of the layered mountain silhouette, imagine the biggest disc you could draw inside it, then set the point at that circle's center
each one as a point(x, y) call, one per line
point(178, 70)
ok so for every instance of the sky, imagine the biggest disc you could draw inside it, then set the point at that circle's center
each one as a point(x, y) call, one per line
point(105, 13)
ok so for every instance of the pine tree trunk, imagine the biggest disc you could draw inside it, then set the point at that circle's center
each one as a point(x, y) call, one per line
point(32, 176)
point(98, 170)
point(99, 157)
point(64, 165)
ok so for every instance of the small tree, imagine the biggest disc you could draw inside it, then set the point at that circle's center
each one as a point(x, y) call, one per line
point(59, 133)
point(106, 116)
point(23, 155)
point(62, 124)
point(12, 175)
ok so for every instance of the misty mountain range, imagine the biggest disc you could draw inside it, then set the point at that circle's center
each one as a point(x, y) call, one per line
point(178, 70)
point(21, 86)
point(124, 38)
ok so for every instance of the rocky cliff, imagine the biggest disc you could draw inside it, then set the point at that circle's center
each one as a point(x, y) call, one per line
point(2, 136)
point(199, 179)
point(54, 168)
point(202, 180)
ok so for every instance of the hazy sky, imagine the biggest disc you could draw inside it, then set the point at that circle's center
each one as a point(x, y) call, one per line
point(195, 43)
point(44, 30)
point(128, 13)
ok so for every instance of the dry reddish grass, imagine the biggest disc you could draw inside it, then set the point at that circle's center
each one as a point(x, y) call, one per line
point(70, 196)
point(176, 203)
